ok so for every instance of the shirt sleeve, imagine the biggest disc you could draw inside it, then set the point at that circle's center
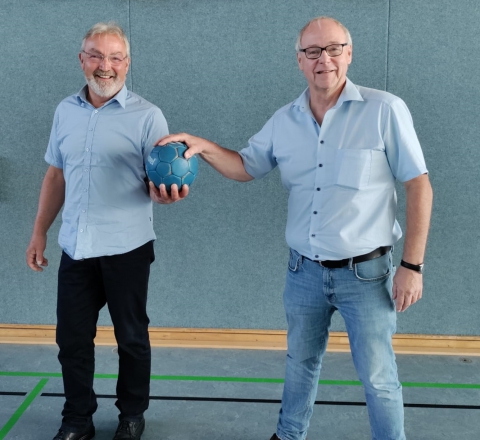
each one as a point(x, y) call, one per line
point(258, 158)
point(403, 149)
point(53, 156)
point(155, 128)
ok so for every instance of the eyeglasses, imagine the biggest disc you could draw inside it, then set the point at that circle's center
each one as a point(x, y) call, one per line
point(114, 60)
point(333, 50)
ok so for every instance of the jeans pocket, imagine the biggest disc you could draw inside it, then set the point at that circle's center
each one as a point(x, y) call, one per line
point(294, 261)
point(377, 269)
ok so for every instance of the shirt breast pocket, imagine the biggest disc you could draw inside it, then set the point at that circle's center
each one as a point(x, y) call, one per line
point(353, 168)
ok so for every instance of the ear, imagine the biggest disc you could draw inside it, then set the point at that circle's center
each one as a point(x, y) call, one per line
point(349, 54)
point(127, 65)
point(80, 57)
point(300, 61)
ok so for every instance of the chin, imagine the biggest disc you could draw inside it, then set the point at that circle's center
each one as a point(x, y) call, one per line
point(104, 90)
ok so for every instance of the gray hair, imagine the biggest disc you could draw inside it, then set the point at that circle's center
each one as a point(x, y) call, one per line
point(316, 20)
point(111, 28)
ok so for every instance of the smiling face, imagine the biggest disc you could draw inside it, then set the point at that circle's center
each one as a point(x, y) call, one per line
point(325, 74)
point(104, 79)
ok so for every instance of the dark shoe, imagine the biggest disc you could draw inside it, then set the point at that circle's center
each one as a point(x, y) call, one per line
point(274, 437)
point(129, 430)
point(69, 435)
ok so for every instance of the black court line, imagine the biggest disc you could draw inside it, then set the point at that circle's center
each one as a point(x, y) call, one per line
point(12, 393)
point(237, 400)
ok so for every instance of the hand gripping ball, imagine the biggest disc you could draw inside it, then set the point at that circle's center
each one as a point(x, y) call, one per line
point(168, 165)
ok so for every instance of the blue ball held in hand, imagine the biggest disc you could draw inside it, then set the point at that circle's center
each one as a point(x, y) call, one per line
point(167, 165)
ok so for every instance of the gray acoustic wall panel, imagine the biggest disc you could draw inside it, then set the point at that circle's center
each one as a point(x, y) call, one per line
point(39, 67)
point(432, 65)
point(220, 69)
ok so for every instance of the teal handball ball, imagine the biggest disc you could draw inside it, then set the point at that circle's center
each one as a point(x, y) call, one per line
point(168, 165)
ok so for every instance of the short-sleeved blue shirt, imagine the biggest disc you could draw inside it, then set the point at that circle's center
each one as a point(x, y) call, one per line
point(102, 152)
point(340, 175)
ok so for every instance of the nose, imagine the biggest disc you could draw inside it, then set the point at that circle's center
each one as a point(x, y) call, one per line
point(323, 58)
point(105, 64)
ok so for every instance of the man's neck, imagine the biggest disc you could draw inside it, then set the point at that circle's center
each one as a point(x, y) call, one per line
point(322, 100)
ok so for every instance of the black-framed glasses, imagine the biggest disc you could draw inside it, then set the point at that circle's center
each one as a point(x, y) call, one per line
point(333, 50)
point(115, 60)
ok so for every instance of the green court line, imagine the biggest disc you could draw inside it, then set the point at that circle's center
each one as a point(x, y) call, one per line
point(28, 374)
point(22, 408)
point(250, 380)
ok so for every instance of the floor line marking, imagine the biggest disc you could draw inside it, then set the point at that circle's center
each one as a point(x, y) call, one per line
point(241, 400)
point(248, 380)
point(22, 408)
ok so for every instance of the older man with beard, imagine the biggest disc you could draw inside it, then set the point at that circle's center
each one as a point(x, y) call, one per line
point(99, 141)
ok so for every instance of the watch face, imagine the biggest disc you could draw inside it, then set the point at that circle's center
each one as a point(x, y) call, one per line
point(420, 268)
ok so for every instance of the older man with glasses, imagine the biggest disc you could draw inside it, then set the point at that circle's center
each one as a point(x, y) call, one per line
point(98, 144)
point(340, 147)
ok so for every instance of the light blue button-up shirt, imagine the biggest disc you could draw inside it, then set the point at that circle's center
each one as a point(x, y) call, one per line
point(340, 175)
point(102, 152)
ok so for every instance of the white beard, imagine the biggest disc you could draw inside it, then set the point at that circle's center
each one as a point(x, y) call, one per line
point(103, 89)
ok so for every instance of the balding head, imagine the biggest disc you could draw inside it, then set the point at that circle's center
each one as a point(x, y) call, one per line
point(318, 21)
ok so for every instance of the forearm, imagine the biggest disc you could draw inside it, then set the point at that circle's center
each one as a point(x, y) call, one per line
point(227, 162)
point(418, 212)
point(52, 196)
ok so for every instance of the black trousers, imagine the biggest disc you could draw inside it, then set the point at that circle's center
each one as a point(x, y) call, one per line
point(84, 287)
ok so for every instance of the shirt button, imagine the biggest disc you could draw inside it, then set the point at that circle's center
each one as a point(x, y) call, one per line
point(96, 111)
point(316, 256)
point(81, 230)
point(321, 142)
point(313, 235)
point(83, 210)
point(314, 212)
point(318, 189)
point(88, 149)
point(320, 165)
point(86, 170)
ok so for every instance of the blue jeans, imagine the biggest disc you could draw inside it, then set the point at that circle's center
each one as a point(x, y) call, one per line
point(362, 293)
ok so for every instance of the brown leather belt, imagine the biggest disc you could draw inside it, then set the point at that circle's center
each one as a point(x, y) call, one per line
point(337, 264)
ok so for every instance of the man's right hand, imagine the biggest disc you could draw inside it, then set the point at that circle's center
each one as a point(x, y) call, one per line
point(195, 144)
point(35, 258)
point(226, 162)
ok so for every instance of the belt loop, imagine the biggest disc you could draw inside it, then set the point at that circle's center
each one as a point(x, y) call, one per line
point(350, 264)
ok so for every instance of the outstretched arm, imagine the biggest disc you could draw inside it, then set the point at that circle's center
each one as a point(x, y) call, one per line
point(408, 284)
point(227, 162)
point(52, 196)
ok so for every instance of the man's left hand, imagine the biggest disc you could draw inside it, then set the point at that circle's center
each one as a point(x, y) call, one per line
point(160, 195)
point(407, 288)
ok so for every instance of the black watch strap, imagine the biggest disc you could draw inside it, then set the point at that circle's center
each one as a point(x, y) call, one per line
point(416, 267)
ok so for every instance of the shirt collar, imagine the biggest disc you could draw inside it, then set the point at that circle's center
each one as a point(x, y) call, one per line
point(120, 97)
point(349, 93)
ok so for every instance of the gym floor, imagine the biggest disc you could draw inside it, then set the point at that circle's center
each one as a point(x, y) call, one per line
point(207, 394)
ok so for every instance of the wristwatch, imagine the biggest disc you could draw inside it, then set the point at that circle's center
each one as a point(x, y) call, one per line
point(416, 267)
